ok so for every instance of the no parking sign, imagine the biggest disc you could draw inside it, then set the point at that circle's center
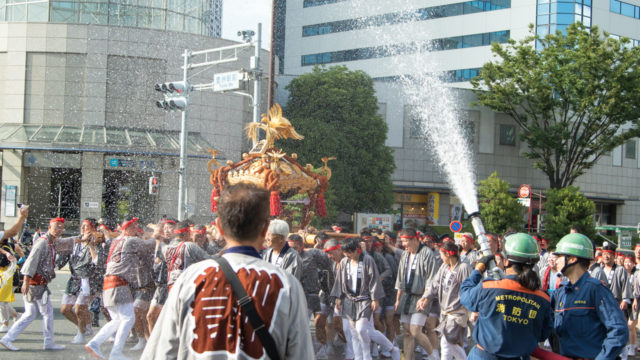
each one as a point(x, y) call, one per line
point(455, 226)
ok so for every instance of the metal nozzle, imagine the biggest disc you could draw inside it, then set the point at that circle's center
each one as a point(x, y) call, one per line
point(478, 228)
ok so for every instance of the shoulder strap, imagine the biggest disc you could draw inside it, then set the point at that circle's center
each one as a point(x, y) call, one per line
point(249, 308)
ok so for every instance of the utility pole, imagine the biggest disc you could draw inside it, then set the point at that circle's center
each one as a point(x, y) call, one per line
point(257, 73)
point(183, 144)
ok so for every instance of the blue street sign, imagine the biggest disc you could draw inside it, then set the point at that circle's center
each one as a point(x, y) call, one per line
point(455, 226)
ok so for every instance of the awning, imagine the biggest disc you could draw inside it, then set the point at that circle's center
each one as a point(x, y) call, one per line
point(101, 139)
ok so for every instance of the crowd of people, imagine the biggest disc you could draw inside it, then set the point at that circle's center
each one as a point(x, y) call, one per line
point(247, 286)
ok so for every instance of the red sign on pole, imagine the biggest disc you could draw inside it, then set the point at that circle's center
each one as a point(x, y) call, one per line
point(455, 226)
point(524, 191)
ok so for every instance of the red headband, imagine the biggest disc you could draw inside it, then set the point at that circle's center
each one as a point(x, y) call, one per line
point(609, 251)
point(377, 244)
point(201, 231)
point(88, 223)
point(332, 248)
point(450, 252)
point(168, 221)
point(128, 223)
point(104, 226)
point(470, 238)
point(55, 220)
point(181, 231)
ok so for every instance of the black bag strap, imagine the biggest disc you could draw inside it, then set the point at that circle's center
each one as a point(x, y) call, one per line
point(249, 308)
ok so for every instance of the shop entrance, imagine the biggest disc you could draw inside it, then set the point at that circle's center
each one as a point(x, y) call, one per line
point(126, 193)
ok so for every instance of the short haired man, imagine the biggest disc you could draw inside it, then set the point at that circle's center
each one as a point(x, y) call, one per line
point(38, 271)
point(202, 318)
point(588, 322)
point(416, 270)
point(468, 252)
point(314, 262)
point(120, 277)
point(357, 292)
point(279, 252)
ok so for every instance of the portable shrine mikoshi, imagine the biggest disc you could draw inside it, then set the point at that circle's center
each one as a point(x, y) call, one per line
point(269, 167)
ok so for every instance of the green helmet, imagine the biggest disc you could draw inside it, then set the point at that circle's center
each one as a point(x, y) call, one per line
point(521, 248)
point(575, 245)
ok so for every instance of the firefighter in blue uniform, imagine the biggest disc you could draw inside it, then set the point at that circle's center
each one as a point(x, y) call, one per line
point(588, 322)
point(514, 314)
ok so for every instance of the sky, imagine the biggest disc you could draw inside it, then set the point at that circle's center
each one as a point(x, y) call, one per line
point(245, 15)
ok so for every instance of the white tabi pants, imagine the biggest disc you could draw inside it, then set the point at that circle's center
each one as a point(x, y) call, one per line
point(122, 320)
point(348, 350)
point(379, 338)
point(31, 309)
point(451, 351)
point(360, 339)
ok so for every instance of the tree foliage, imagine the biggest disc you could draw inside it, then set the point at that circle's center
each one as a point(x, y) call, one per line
point(574, 99)
point(498, 208)
point(567, 207)
point(336, 110)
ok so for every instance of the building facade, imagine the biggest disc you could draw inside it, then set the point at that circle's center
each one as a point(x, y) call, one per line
point(80, 135)
point(456, 36)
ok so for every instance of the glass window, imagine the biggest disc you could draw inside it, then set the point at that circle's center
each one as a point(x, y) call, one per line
point(69, 135)
point(543, 9)
point(93, 136)
point(542, 20)
point(614, 6)
point(117, 137)
point(8, 129)
point(163, 141)
point(38, 12)
point(191, 24)
point(157, 18)
point(46, 134)
point(586, 2)
point(175, 21)
point(471, 7)
point(453, 10)
point(139, 138)
point(542, 30)
point(578, 8)
point(16, 12)
point(66, 12)
point(630, 149)
point(94, 13)
point(175, 5)
point(309, 30)
point(564, 19)
point(2, 13)
point(586, 10)
point(500, 36)
point(472, 40)
point(586, 21)
point(565, 8)
point(24, 133)
point(507, 135)
point(627, 9)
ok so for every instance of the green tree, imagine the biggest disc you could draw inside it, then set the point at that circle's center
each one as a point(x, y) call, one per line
point(575, 98)
point(336, 111)
point(498, 208)
point(567, 207)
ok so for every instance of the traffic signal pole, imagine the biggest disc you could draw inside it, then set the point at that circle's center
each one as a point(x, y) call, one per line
point(183, 145)
point(256, 85)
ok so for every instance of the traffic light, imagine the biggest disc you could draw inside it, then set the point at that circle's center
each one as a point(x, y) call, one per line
point(175, 95)
point(154, 185)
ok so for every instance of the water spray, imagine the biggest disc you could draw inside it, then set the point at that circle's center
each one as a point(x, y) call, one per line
point(478, 228)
